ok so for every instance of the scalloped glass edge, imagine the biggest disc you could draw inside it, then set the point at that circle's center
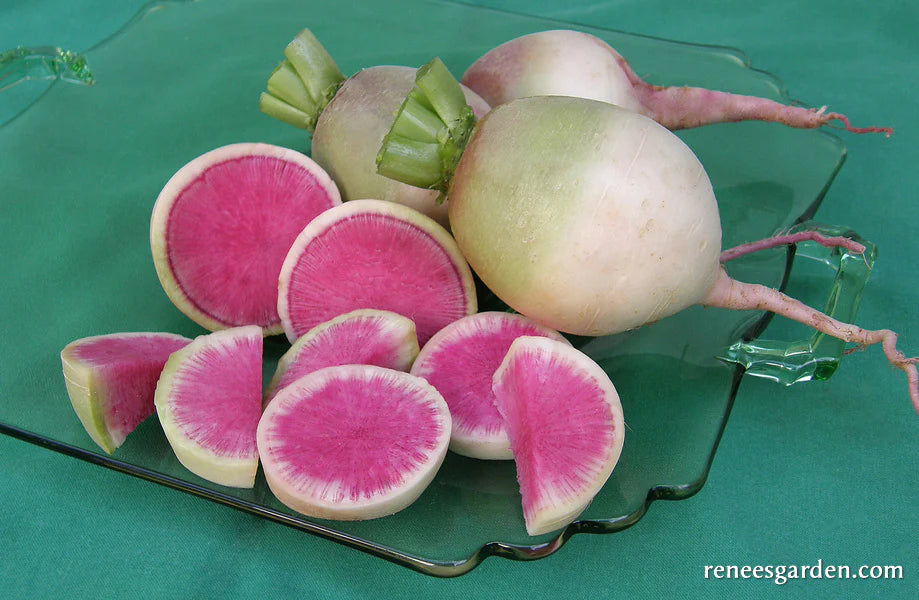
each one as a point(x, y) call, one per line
point(441, 569)
point(520, 552)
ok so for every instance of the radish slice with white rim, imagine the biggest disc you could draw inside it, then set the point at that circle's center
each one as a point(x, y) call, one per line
point(353, 442)
point(374, 254)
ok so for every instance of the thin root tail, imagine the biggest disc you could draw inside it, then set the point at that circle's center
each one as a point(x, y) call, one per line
point(887, 131)
point(784, 239)
point(888, 341)
point(732, 294)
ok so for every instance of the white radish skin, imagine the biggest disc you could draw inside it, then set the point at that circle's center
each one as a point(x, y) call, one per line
point(593, 220)
point(552, 63)
point(574, 63)
point(583, 230)
point(350, 130)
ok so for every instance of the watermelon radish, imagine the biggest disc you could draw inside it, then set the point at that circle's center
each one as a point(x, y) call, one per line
point(111, 380)
point(353, 442)
point(460, 361)
point(374, 254)
point(348, 119)
point(564, 62)
point(587, 217)
point(564, 420)
point(209, 400)
point(222, 225)
point(364, 336)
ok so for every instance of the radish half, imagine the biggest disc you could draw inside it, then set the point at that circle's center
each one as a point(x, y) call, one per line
point(209, 400)
point(353, 442)
point(348, 119)
point(584, 216)
point(374, 254)
point(460, 361)
point(360, 337)
point(565, 424)
point(111, 380)
point(574, 63)
point(223, 224)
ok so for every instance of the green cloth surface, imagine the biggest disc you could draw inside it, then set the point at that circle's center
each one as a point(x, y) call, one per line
point(821, 471)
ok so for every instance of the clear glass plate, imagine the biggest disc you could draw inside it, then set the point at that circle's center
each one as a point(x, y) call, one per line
point(82, 166)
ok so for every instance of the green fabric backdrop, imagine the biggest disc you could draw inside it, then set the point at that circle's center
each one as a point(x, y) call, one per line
point(821, 471)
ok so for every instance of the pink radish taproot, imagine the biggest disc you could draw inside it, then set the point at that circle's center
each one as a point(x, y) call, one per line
point(586, 217)
point(574, 63)
point(347, 119)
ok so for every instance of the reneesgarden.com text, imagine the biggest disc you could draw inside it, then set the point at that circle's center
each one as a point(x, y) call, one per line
point(781, 574)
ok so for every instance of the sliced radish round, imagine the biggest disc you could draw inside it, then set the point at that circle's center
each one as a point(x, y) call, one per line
point(111, 379)
point(374, 254)
point(361, 337)
point(564, 420)
point(209, 400)
point(460, 361)
point(223, 224)
point(353, 442)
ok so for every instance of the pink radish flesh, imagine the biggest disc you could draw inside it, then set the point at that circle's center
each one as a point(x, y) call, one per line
point(365, 337)
point(460, 361)
point(353, 441)
point(574, 63)
point(375, 254)
point(565, 424)
point(223, 225)
point(209, 401)
point(111, 380)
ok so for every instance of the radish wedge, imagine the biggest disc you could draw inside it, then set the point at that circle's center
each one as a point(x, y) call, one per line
point(565, 424)
point(353, 442)
point(111, 380)
point(209, 400)
point(374, 254)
